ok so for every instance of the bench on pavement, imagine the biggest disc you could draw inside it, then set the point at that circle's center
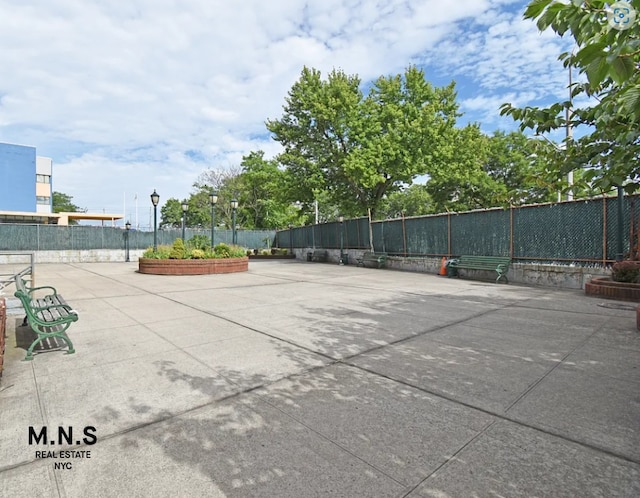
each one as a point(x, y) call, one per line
point(499, 264)
point(48, 316)
point(319, 256)
point(377, 259)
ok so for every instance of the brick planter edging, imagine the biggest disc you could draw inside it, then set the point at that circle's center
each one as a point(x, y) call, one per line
point(606, 288)
point(192, 266)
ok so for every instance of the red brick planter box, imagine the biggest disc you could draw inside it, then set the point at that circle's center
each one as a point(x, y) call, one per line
point(606, 288)
point(192, 266)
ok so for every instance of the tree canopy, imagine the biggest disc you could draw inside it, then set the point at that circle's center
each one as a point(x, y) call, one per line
point(358, 149)
point(609, 59)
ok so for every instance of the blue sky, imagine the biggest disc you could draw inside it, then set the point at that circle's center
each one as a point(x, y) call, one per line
point(128, 97)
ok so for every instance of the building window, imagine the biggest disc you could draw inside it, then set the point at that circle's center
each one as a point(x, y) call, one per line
point(43, 179)
point(43, 200)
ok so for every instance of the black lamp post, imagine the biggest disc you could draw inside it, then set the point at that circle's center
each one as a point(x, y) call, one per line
point(341, 220)
point(234, 206)
point(127, 225)
point(213, 199)
point(155, 198)
point(185, 208)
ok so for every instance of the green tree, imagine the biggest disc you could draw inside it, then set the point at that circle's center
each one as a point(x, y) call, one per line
point(263, 193)
point(519, 163)
point(412, 200)
point(358, 149)
point(62, 203)
point(171, 214)
point(462, 183)
point(609, 58)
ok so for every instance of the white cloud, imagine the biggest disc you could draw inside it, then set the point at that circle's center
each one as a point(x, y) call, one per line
point(119, 93)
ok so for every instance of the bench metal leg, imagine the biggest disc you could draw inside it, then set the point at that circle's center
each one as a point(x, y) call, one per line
point(49, 335)
point(502, 275)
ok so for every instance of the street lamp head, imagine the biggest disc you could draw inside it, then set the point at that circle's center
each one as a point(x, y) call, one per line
point(213, 198)
point(127, 225)
point(155, 198)
point(234, 204)
point(185, 206)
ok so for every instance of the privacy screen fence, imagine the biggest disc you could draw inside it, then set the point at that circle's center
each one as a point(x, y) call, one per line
point(584, 231)
point(19, 237)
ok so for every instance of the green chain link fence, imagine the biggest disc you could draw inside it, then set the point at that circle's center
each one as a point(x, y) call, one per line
point(19, 237)
point(583, 231)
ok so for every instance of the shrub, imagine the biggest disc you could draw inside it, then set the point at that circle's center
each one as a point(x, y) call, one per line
point(178, 250)
point(626, 271)
point(249, 252)
point(162, 252)
point(222, 250)
point(201, 242)
point(197, 254)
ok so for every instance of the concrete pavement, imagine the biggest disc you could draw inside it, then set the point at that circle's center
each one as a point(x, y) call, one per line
point(300, 379)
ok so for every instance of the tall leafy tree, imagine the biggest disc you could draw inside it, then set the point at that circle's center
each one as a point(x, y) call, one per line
point(358, 149)
point(63, 203)
point(609, 59)
point(462, 183)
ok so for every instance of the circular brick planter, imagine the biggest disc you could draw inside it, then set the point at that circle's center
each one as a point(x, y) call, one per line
point(192, 266)
point(606, 288)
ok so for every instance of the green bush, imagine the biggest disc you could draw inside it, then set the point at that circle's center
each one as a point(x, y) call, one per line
point(201, 242)
point(162, 252)
point(178, 251)
point(222, 250)
point(197, 254)
point(626, 271)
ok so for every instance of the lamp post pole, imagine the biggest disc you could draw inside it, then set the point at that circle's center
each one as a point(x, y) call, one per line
point(234, 206)
point(126, 241)
point(185, 208)
point(155, 198)
point(213, 199)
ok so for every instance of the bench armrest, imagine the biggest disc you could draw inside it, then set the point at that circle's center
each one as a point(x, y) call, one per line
point(33, 289)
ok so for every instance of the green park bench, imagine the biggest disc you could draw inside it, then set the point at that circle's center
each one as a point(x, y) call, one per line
point(48, 316)
point(377, 259)
point(499, 264)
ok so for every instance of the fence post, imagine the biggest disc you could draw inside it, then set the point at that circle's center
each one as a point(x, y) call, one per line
point(449, 235)
point(511, 231)
point(604, 231)
point(404, 237)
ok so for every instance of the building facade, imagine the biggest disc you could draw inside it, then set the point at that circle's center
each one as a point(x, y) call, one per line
point(25, 180)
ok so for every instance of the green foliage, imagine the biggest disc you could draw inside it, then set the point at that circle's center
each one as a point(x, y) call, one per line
point(222, 250)
point(178, 250)
point(174, 251)
point(62, 203)
point(201, 242)
point(357, 149)
point(609, 152)
point(197, 254)
point(163, 252)
point(626, 271)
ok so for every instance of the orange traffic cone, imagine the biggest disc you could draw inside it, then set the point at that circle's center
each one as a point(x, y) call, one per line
point(443, 268)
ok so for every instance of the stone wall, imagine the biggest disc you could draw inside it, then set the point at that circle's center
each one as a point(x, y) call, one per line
point(559, 276)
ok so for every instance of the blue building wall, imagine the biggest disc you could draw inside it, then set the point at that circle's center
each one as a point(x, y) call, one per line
point(17, 178)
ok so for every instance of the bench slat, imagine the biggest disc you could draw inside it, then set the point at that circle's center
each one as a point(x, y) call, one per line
point(49, 316)
point(499, 264)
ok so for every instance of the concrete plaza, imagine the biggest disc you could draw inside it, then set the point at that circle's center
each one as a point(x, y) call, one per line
point(299, 379)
